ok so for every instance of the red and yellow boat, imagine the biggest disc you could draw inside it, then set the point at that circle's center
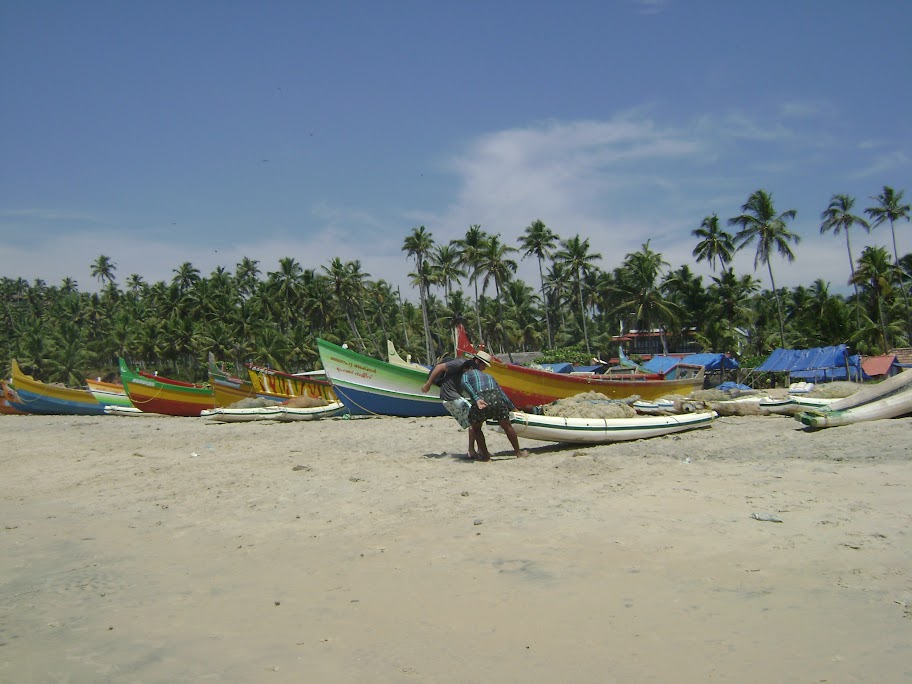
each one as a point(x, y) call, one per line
point(156, 394)
point(528, 387)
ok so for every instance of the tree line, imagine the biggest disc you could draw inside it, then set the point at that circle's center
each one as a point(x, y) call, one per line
point(60, 334)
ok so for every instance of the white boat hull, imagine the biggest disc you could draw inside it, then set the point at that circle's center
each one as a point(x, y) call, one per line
point(280, 413)
point(891, 398)
point(602, 430)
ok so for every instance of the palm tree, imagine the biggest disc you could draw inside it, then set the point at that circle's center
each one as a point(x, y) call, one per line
point(838, 216)
point(185, 276)
point(575, 254)
point(890, 208)
point(472, 245)
point(447, 264)
point(759, 221)
point(246, 273)
point(877, 274)
point(540, 241)
point(498, 268)
point(715, 243)
point(641, 298)
point(419, 245)
point(103, 269)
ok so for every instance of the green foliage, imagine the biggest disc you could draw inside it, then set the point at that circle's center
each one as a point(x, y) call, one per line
point(575, 355)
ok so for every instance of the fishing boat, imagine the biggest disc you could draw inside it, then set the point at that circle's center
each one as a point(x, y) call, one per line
point(220, 414)
point(28, 395)
point(396, 359)
point(274, 384)
point(528, 387)
point(792, 404)
point(891, 398)
point(292, 413)
point(602, 430)
point(369, 386)
point(109, 393)
point(5, 395)
point(155, 394)
point(227, 388)
point(278, 412)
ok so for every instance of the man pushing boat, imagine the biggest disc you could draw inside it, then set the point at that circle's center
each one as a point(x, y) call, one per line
point(473, 397)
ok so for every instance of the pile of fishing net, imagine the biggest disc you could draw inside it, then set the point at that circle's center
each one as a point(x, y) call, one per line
point(834, 390)
point(255, 402)
point(590, 405)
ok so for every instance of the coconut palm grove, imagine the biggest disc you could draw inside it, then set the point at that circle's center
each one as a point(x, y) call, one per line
point(273, 316)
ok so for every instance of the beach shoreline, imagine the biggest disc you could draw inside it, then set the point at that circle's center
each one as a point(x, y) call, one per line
point(155, 548)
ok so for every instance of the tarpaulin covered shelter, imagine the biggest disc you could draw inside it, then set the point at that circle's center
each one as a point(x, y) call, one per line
point(818, 364)
point(711, 362)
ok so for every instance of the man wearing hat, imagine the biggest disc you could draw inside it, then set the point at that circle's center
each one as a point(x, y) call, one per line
point(461, 377)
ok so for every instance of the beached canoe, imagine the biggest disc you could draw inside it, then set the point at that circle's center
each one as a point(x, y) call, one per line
point(368, 386)
point(602, 430)
point(279, 412)
point(291, 413)
point(792, 404)
point(528, 387)
point(28, 395)
point(221, 414)
point(155, 394)
point(891, 398)
point(109, 393)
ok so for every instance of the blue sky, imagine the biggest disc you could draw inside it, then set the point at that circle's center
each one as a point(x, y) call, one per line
point(163, 132)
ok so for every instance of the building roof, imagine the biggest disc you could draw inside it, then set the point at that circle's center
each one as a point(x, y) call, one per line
point(878, 365)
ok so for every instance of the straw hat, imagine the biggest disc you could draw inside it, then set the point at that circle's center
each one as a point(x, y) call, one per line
point(483, 356)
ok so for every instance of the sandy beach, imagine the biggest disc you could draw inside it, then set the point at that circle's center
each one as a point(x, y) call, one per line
point(158, 549)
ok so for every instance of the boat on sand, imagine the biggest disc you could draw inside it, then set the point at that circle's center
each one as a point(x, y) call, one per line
point(891, 398)
point(528, 387)
point(28, 395)
point(603, 430)
point(155, 394)
point(369, 386)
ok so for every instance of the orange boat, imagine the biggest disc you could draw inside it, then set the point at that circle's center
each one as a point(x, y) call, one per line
point(528, 387)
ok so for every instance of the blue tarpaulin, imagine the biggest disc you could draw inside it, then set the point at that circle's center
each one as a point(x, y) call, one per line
point(819, 364)
point(557, 367)
point(711, 362)
point(661, 364)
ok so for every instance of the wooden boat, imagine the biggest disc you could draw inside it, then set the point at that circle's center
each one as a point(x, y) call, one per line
point(602, 430)
point(278, 412)
point(109, 393)
point(5, 394)
point(127, 411)
point(891, 398)
point(221, 414)
point(529, 387)
point(155, 394)
point(290, 413)
point(368, 386)
point(791, 404)
point(33, 396)
point(274, 384)
point(394, 358)
point(226, 388)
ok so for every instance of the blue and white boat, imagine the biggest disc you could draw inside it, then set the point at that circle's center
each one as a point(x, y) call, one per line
point(370, 387)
